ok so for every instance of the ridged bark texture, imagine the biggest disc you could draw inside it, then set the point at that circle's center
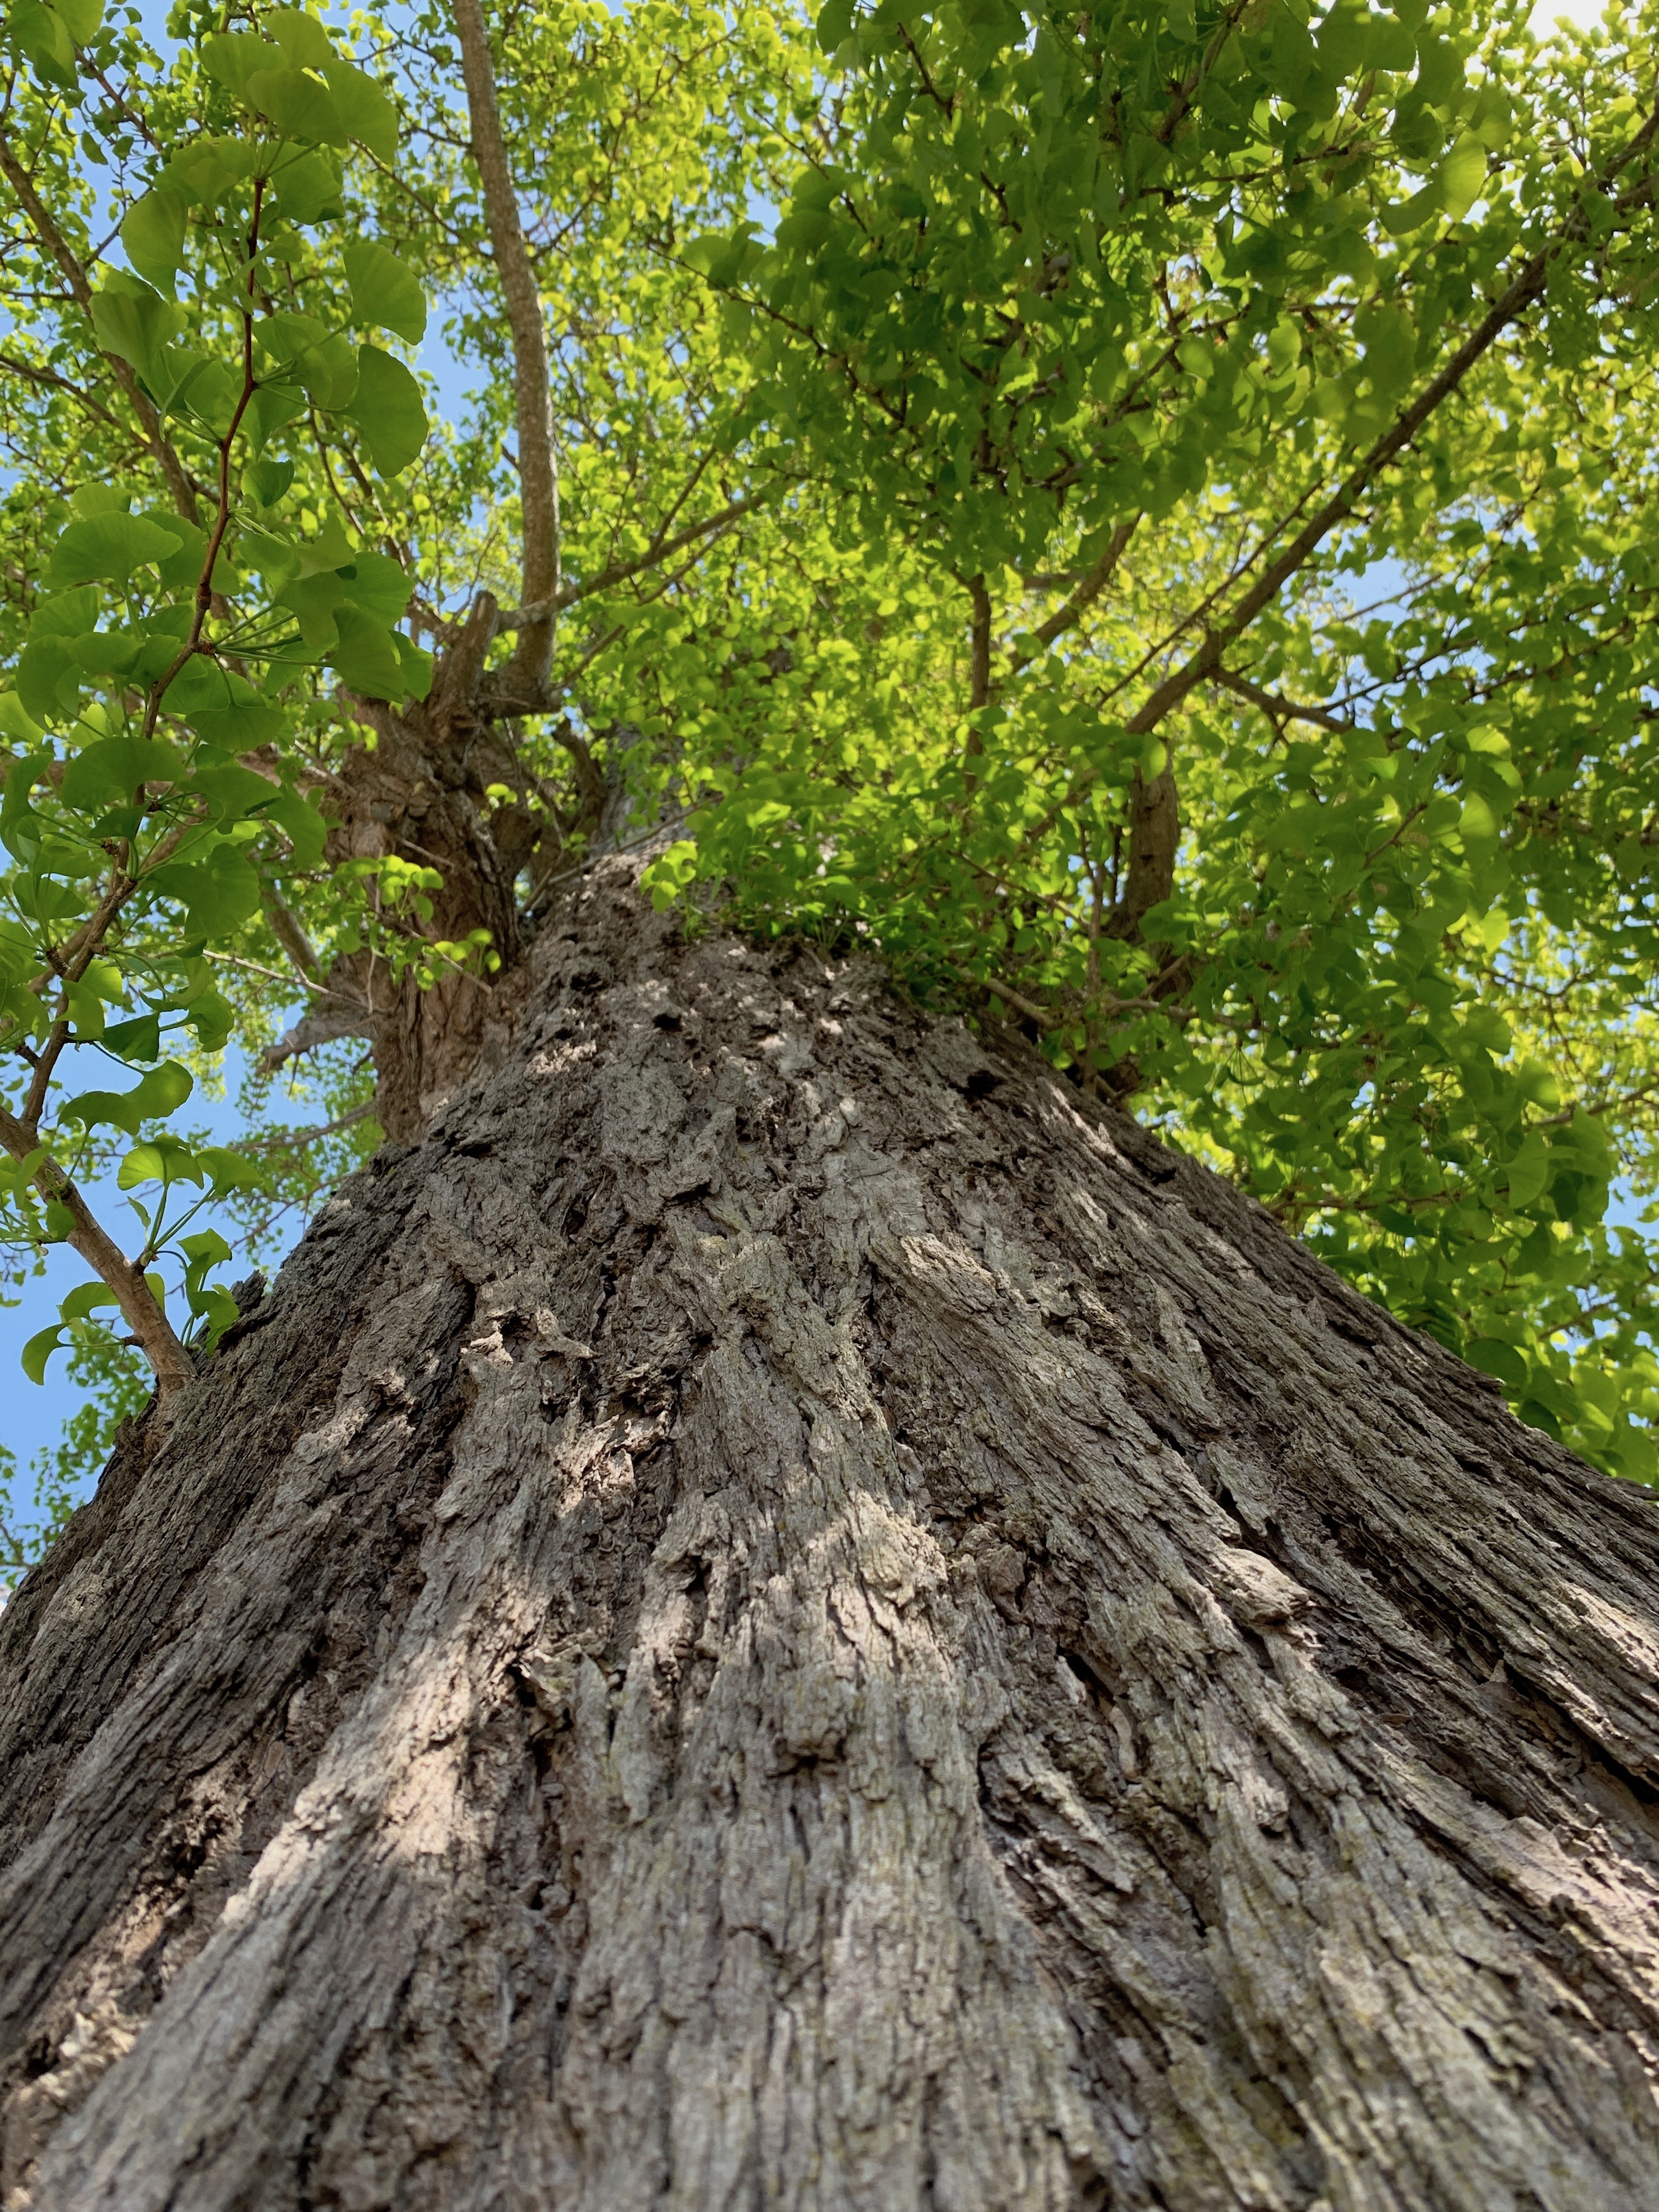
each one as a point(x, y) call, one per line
point(784, 1613)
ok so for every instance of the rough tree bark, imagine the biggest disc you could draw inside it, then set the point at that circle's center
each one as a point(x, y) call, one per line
point(783, 1613)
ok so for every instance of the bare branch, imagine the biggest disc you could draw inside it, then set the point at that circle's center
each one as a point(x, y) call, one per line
point(338, 1016)
point(1281, 710)
point(286, 1140)
point(285, 928)
point(1081, 600)
point(538, 481)
point(1021, 1006)
point(979, 667)
point(658, 550)
point(139, 1307)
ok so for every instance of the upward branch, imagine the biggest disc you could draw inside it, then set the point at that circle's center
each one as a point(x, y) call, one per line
point(539, 480)
point(1154, 816)
point(152, 1331)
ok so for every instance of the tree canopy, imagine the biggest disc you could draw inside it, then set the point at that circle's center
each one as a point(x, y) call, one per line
point(1143, 516)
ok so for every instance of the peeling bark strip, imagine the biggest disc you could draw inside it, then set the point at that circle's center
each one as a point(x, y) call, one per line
point(782, 1613)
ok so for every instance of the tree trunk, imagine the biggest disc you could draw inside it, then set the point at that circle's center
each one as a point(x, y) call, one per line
point(785, 1613)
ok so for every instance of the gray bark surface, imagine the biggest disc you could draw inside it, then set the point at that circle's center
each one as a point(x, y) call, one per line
point(785, 1613)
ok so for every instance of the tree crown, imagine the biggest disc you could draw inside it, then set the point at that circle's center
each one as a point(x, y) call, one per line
point(1142, 516)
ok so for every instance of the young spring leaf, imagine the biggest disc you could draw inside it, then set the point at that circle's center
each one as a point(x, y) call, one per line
point(108, 548)
point(161, 1092)
point(384, 292)
point(388, 411)
point(153, 233)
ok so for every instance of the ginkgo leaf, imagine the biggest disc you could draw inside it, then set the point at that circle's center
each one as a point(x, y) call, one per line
point(152, 234)
point(389, 411)
point(109, 547)
point(163, 1090)
point(297, 104)
point(115, 767)
point(384, 292)
point(1462, 177)
point(364, 107)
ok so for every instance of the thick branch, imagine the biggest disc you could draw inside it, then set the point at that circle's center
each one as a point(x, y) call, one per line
point(286, 929)
point(539, 482)
point(1154, 815)
point(619, 572)
point(1280, 710)
point(160, 446)
point(979, 665)
point(1081, 600)
point(337, 1016)
point(1012, 998)
point(1154, 836)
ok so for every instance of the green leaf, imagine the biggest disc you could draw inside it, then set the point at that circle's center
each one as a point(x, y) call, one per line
point(384, 292)
point(163, 1090)
point(70, 614)
point(109, 547)
point(834, 24)
point(297, 104)
point(45, 38)
point(221, 706)
point(218, 892)
point(1492, 1356)
point(15, 722)
point(39, 1349)
point(304, 43)
point(417, 666)
point(271, 408)
point(114, 768)
point(1461, 176)
point(132, 319)
point(267, 481)
point(376, 583)
point(365, 656)
point(179, 571)
point(165, 1159)
point(154, 236)
point(85, 1300)
point(1477, 824)
point(1406, 215)
point(329, 373)
point(49, 678)
point(364, 108)
point(305, 830)
point(232, 1171)
point(389, 411)
point(234, 792)
point(212, 1016)
point(240, 727)
point(1528, 1172)
point(206, 168)
point(137, 1039)
point(231, 58)
point(307, 188)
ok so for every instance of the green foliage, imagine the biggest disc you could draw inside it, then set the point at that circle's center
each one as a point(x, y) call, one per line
point(970, 418)
point(33, 1510)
